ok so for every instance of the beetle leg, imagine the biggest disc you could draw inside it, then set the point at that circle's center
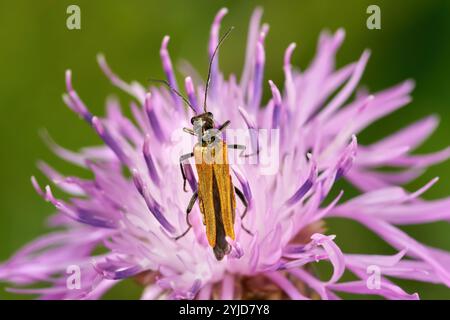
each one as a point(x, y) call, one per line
point(238, 147)
point(242, 148)
point(189, 130)
point(182, 159)
point(244, 202)
point(188, 210)
point(224, 125)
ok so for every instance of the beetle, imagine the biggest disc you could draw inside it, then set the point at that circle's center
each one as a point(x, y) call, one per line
point(215, 190)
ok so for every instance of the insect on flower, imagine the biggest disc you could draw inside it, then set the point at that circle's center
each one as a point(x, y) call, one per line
point(215, 192)
point(132, 219)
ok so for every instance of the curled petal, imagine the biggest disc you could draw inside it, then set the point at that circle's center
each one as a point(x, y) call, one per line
point(334, 254)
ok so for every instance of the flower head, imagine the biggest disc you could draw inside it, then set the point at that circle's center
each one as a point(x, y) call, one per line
point(134, 206)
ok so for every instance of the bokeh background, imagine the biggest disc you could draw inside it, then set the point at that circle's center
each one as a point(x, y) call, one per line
point(36, 48)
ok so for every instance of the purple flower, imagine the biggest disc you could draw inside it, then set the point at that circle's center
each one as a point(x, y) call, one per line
point(134, 205)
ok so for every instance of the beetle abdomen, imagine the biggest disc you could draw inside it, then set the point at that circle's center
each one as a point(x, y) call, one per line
point(221, 247)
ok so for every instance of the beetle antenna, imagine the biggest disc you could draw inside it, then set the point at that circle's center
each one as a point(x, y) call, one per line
point(210, 65)
point(167, 84)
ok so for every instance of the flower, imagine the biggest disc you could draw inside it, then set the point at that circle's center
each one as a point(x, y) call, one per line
point(134, 205)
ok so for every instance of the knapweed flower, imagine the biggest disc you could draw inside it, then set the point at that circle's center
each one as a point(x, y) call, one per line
point(134, 205)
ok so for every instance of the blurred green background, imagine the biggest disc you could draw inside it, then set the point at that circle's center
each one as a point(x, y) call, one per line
point(36, 48)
